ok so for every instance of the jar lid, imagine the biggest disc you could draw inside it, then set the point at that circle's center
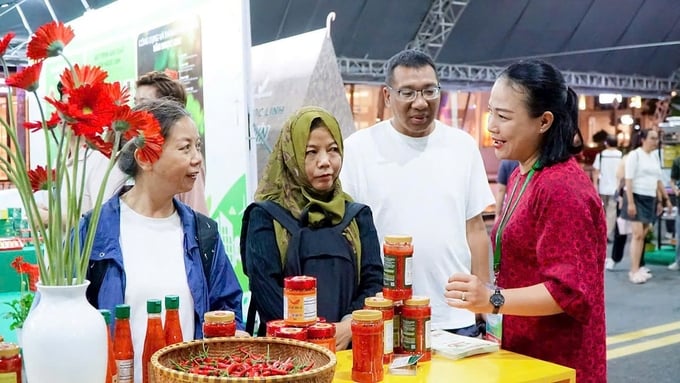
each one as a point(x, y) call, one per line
point(291, 330)
point(321, 330)
point(377, 302)
point(397, 239)
point(153, 306)
point(8, 350)
point(299, 282)
point(123, 311)
point(221, 316)
point(171, 302)
point(366, 315)
point(107, 316)
point(417, 301)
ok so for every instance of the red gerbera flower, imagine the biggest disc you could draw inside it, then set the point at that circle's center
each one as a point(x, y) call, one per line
point(50, 124)
point(101, 145)
point(4, 43)
point(119, 95)
point(149, 141)
point(128, 121)
point(26, 79)
point(49, 40)
point(19, 265)
point(80, 76)
point(89, 109)
point(38, 178)
point(33, 272)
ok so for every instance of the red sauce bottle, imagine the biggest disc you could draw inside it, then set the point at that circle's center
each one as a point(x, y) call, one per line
point(10, 363)
point(397, 279)
point(299, 301)
point(111, 369)
point(173, 328)
point(367, 346)
point(415, 327)
point(154, 339)
point(122, 345)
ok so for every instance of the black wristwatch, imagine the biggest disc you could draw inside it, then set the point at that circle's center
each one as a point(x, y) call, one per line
point(497, 300)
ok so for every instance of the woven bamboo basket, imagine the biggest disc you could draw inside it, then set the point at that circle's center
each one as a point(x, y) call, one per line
point(278, 348)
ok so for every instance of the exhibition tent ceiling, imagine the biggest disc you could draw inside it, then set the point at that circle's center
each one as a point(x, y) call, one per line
point(634, 38)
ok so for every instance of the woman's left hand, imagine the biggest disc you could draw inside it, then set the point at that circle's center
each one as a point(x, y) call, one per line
point(465, 291)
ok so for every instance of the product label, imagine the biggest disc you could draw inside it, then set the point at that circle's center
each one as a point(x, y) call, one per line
point(388, 336)
point(114, 379)
point(8, 377)
point(126, 370)
point(299, 308)
point(390, 271)
point(408, 272)
point(397, 330)
point(408, 334)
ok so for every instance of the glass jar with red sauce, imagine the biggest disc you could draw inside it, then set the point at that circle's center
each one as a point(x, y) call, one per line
point(273, 326)
point(299, 301)
point(386, 307)
point(10, 363)
point(415, 327)
point(219, 324)
point(322, 334)
point(398, 257)
point(367, 346)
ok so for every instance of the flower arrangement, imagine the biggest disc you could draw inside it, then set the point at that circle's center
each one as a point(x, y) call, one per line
point(28, 273)
point(93, 115)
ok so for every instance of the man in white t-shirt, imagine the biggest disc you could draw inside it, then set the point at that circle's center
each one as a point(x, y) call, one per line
point(424, 179)
point(604, 177)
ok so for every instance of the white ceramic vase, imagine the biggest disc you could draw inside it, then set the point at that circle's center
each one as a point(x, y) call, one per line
point(64, 338)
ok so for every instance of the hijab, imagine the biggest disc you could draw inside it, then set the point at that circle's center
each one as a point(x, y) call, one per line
point(285, 182)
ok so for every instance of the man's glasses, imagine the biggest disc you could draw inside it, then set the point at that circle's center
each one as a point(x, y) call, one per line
point(408, 95)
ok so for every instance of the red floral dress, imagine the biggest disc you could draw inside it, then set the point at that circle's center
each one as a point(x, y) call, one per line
point(557, 236)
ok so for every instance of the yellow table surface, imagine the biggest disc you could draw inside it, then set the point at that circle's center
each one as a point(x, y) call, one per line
point(503, 366)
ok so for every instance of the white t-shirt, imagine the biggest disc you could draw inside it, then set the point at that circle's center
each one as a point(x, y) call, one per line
point(644, 169)
point(606, 162)
point(153, 258)
point(428, 188)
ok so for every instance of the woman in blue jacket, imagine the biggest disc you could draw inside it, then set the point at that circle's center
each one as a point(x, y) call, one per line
point(146, 243)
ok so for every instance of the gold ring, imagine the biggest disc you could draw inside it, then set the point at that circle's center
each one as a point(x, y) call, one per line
point(462, 296)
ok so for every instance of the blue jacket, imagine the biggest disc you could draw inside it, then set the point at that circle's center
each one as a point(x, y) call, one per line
point(224, 292)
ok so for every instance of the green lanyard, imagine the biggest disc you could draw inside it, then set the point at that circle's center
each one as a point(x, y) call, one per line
point(507, 212)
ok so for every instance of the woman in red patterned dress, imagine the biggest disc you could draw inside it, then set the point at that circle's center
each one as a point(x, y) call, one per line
point(550, 242)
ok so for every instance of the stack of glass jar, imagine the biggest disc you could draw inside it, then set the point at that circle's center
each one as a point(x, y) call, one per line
point(411, 315)
point(300, 320)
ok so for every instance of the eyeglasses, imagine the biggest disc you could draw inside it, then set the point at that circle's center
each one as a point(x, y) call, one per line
point(408, 95)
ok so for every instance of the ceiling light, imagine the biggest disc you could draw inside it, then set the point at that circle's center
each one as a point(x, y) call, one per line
point(627, 119)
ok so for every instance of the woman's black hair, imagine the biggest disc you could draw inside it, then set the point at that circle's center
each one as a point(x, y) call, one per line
point(546, 91)
point(167, 112)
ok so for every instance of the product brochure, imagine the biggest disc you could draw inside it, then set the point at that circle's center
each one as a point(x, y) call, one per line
point(454, 346)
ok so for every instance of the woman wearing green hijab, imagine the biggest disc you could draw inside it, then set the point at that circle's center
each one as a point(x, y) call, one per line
point(302, 177)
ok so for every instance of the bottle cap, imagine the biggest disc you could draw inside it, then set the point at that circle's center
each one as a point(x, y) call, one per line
point(8, 350)
point(107, 316)
point(171, 302)
point(377, 302)
point(153, 306)
point(299, 282)
point(222, 316)
point(123, 311)
point(417, 301)
point(366, 315)
point(397, 239)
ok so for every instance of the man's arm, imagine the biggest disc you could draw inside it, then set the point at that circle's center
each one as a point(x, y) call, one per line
point(478, 241)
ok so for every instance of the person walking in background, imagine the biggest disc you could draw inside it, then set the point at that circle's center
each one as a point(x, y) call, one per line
point(155, 85)
point(604, 177)
point(551, 240)
point(640, 204)
point(424, 179)
point(301, 176)
point(146, 241)
point(675, 179)
point(504, 171)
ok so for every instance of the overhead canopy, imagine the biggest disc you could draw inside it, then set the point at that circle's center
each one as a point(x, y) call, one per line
point(638, 39)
